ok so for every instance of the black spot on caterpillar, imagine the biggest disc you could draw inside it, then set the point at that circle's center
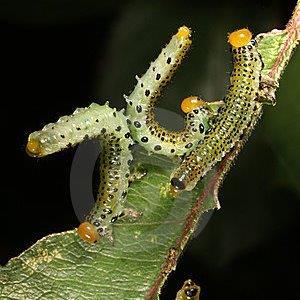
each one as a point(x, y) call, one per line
point(111, 128)
point(142, 101)
point(241, 106)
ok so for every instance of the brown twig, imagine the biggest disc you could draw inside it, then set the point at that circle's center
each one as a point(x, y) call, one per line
point(292, 31)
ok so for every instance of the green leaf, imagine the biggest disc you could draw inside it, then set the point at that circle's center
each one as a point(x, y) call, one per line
point(62, 266)
point(276, 47)
point(269, 47)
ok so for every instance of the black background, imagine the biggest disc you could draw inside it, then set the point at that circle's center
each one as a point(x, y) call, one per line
point(59, 55)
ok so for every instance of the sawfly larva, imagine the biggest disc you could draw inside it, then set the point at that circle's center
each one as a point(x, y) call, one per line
point(241, 106)
point(110, 126)
point(142, 101)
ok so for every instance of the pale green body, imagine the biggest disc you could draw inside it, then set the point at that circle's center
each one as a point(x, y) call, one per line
point(110, 126)
point(142, 101)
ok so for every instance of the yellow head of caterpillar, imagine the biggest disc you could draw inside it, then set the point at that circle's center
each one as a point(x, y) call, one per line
point(88, 232)
point(240, 38)
point(33, 148)
point(190, 103)
point(183, 32)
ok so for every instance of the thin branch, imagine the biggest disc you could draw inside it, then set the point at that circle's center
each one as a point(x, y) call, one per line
point(284, 54)
point(292, 31)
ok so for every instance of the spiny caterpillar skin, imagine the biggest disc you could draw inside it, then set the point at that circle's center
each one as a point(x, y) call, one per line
point(84, 123)
point(189, 291)
point(142, 101)
point(110, 126)
point(241, 106)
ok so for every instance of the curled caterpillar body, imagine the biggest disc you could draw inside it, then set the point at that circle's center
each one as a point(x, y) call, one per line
point(141, 104)
point(189, 291)
point(241, 106)
point(110, 126)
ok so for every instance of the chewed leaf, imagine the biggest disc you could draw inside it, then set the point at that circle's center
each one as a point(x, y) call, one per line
point(269, 47)
point(276, 47)
point(62, 266)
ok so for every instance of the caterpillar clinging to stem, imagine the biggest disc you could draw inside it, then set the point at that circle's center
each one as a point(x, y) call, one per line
point(240, 112)
point(142, 101)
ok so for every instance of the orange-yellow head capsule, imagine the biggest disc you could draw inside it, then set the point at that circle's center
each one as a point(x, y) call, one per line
point(184, 32)
point(190, 103)
point(240, 38)
point(33, 148)
point(88, 232)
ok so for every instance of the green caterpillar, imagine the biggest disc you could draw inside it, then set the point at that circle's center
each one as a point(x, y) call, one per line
point(110, 126)
point(242, 107)
point(142, 101)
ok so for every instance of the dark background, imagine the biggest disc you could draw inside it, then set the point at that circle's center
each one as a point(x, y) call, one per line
point(58, 55)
